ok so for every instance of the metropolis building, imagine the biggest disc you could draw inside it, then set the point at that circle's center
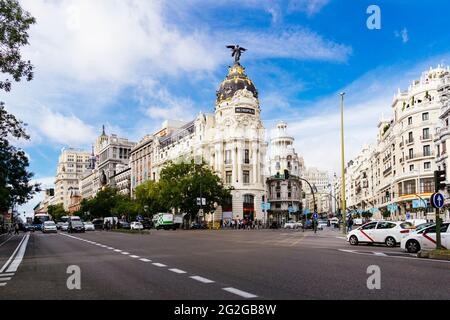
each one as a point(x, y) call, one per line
point(230, 140)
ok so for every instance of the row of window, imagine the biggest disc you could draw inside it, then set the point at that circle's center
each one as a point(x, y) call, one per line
point(245, 177)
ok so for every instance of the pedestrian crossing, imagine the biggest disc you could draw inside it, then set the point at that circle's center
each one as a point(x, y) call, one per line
point(4, 278)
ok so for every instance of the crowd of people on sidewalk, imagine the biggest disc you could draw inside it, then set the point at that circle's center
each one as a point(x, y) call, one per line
point(242, 224)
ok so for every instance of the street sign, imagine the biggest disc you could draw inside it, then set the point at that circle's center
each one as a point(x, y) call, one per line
point(200, 213)
point(315, 216)
point(408, 216)
point(201, 201)
point(437, 200)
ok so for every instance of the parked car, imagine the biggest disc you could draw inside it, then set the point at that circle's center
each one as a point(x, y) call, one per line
point(89, 226)
point(388, 232)
point(147, 224)
point(136, 226)
point(59, 224)
point(426, 239)
point(416, 222)
point(292, 225)
point(122, 224)
point(28, 227)
point(322, 224)
point(358, 222)
point(75, 226)
point(423, 226)
point(65, 226)
point(98, 223)
point(49, 227)
point(334, 222)
point(196, 225)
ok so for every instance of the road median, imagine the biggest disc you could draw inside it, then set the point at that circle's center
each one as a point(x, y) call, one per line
point(435, 254)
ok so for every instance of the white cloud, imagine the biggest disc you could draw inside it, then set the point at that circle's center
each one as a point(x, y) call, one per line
point(402, 34)
point(66, 130)
point(310, 7)
point(297, 43)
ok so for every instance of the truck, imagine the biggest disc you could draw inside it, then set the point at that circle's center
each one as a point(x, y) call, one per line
point(165, 221)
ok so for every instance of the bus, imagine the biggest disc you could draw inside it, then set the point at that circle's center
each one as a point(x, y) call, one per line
point(39, 219)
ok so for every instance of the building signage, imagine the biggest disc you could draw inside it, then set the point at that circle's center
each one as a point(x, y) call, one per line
point(245, 110)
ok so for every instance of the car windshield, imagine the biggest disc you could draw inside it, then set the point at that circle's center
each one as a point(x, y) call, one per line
point(76, 223)
point(49, 223)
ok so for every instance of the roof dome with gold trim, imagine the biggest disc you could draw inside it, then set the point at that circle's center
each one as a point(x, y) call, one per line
point(235, 81)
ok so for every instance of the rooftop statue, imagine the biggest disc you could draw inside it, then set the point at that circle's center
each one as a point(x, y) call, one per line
point(237, 52)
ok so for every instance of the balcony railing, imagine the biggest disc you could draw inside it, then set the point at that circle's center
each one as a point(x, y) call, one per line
point(409, 141)
point(401, 144)
point(409, 157)
point(426, 137)
point(387, 171)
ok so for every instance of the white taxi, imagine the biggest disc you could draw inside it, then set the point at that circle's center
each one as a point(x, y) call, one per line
point(388, 232)
point(426, 239)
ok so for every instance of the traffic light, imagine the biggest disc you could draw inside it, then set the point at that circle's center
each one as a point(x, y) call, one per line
point(286, 174)
point(439, 180)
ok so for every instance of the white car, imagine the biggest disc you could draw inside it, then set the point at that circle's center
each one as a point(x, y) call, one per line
point(426, 239)
point(390, 233)
point(136, 226)
point(88, 226)
point(292, 225)
point(49, 226)
point(321, 224)
point(65, 226)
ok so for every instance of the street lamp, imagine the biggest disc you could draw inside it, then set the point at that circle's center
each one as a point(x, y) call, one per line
point(344, 215)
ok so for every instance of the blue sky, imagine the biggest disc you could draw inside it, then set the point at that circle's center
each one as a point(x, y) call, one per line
point(132, 64)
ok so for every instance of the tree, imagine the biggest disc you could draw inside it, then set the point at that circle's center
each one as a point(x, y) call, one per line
point(57, 212)
point(149, 199)
point(15, 180)
point(14, 25)
point(124, 206)
point(182, 184)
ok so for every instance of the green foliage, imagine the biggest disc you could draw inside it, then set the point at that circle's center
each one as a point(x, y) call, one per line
point(14, 25)
point(57, 212)
point(183, 183)
point(15, 180)
point(149, 198)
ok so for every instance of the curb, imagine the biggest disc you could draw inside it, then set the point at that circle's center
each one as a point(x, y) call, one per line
point(427, 254)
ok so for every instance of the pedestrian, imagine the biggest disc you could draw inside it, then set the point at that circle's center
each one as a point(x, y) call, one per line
point(350, 224)
point(16, 228)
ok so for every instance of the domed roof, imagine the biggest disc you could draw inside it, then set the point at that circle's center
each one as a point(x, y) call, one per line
point(235, 81)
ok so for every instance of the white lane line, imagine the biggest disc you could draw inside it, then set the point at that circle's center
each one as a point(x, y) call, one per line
point(117, 250)
point(18, 259)
point(2, 284)
point(125, 253)
point(134, 257)
point(240, 293)
point(177, 271)
point(201, 279)
point(379, 254)
point(395, 257)
point(5, 279)
point(145, 260)
point(12, 256)
point(159, 265)
point(6, 274)
point(109, 248)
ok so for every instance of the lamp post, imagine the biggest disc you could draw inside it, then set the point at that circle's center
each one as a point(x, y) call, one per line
point(344, 215)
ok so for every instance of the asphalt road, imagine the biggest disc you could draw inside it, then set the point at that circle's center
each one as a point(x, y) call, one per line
point(210, 265)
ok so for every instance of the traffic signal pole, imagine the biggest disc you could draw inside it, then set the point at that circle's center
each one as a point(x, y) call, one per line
point(344, 209)
point(439, 184)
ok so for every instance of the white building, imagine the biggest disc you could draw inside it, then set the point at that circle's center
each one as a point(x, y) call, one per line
point(72, 165)
point(284, 194)
point(320, 181)
point(230, 140)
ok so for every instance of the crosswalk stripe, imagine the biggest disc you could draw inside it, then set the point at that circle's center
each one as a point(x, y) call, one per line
point(5, 279)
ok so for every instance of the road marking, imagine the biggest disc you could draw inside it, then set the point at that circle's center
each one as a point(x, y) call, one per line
point(398, 257)
point(5, 241)
point(117, 250)
point(177, 271)
point(145, 260)
point(379, 253)
point(125, 253)
point(201, 279)
point(159, 265)
point(5, 279)
point(19, 257)
point(12, 256)
point(6, 274)
point(109, 248)
point(240, 293)
point(2, 284)
point(134, 257)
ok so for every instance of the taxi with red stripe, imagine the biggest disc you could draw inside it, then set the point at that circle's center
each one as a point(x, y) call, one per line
point(426, 239)
point(389, 233)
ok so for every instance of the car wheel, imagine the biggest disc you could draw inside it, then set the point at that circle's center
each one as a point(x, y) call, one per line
point(390, 242)
point(413, 246)
point(353, 240)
